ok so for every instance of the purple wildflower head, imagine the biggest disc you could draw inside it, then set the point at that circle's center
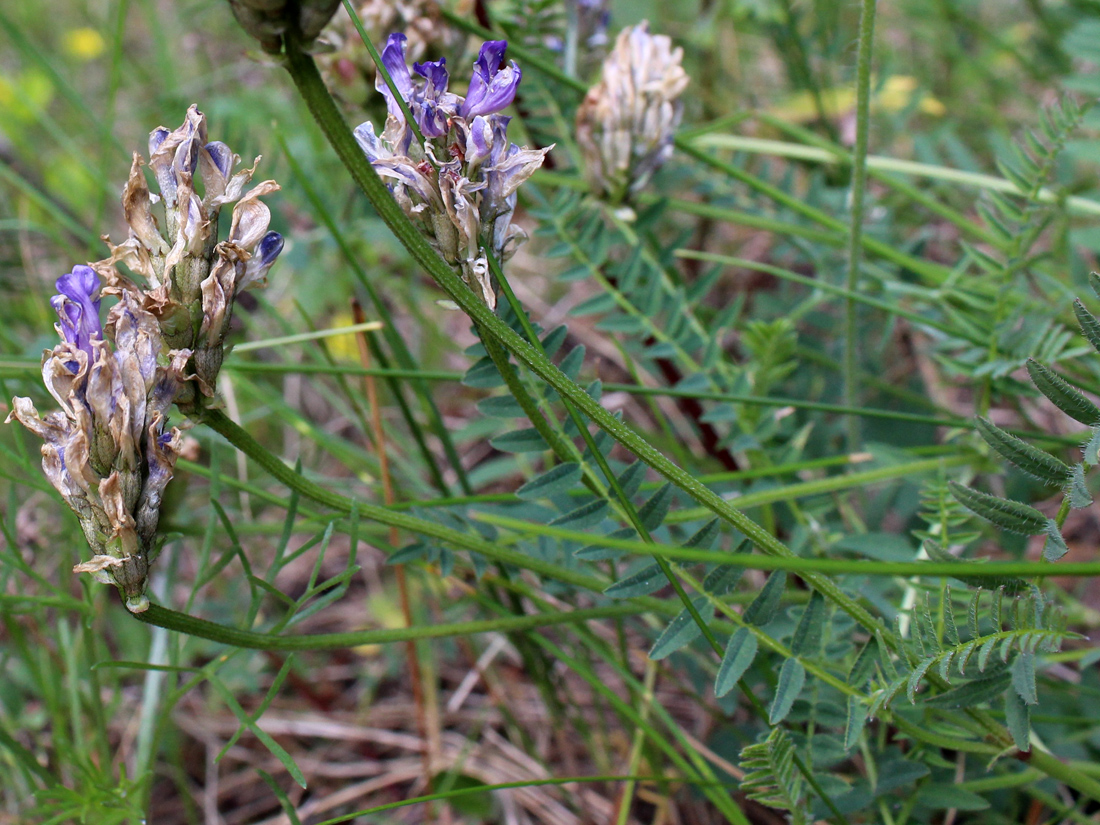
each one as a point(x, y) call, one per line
point(76, 308)
point(492, 88)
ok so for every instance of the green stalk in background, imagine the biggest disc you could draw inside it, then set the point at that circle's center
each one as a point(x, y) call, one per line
point(855, 230)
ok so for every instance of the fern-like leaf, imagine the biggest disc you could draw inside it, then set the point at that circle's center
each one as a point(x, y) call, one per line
point(771, 777)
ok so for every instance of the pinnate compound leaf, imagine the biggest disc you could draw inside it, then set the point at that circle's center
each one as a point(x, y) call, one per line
point(1008, 515)
point(1031, 460)
point(682, 630)
point(559, 479)
point(792, 676)
point(739, 656)
point(771, 776)
point(1062, 395)
point(647, 580)
point(766, 603)
point(1018, 719)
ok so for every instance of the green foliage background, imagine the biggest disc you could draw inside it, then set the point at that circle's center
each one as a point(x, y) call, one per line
point(839, 663)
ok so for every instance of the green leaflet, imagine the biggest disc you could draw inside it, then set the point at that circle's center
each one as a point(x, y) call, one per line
point(740, 653)
point(792, 676)
point(857, 720)
point(807, 636)
point(940, 796)
point(682, 630)
point(1055, 546)
point(1090, 326)
point(1009, 515)
point(559, 479)
point(1062, 395)
point(587, 515)
point(483, 375)
point(1023, 678)
point(970, 694)
point(653, 512)
point(1079, 494)
point(647, 580)
point(1018, 719)
point(764, 607)
point(526, 440)
point(1031, 460)
point(500, 406)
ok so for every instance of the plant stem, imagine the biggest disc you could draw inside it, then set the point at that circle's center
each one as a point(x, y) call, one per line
point(194, 626)
point(855, 228)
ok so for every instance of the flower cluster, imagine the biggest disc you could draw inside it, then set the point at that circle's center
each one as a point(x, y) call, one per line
point(625, 124)
point(349, 67)
point(108, 450)
point(459, 186)
point(193, 278)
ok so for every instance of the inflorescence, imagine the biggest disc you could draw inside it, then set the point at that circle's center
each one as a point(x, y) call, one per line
point(109, 450)
point(459, 185)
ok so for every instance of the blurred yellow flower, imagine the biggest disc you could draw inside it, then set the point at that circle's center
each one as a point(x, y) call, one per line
point(896, 93)
point(83, 44)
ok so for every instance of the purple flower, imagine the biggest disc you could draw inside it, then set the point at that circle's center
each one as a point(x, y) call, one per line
point(267, 250)
point(492, 88)
point(222, 156)
point(77, 310)
point(435, 71)
point(393, 59)
point(156, 138)
point(431, 117)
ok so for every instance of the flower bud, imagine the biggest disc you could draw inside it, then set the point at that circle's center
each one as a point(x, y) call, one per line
point(625, 124)
point(107, 450)
point(269, 20)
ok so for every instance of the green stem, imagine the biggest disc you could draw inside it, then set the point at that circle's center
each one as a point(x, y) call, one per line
point(625, 503)
point(855, 231)
point(193, 626)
